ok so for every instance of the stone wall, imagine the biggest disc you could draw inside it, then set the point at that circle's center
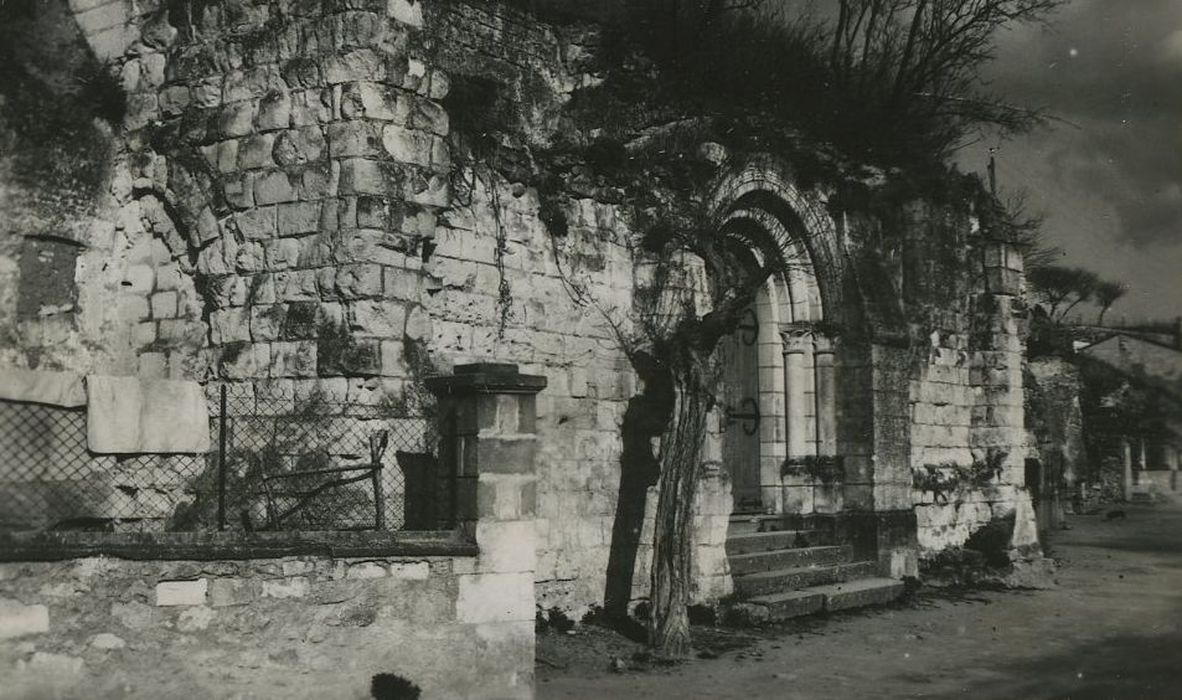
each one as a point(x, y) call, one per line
point(967, 447)
point(310, 626)
point(286, 206)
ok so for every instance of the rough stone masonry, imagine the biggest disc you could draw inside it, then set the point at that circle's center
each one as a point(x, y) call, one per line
point(280, 205)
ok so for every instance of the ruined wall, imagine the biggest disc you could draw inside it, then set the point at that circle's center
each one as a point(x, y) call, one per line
point(967, 441)
point(288, 204)
point(317, 627)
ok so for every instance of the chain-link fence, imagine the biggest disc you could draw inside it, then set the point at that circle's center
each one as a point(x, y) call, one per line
point(276, 464)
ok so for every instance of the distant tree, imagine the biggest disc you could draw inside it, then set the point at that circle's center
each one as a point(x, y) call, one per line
point(1063, 288)
point(1108, 293)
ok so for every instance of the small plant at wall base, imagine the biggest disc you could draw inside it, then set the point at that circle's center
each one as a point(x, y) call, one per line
point(950, 477)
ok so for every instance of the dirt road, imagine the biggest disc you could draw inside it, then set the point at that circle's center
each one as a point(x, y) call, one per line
point(1111, 629)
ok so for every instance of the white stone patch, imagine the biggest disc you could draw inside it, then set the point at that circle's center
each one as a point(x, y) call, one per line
point(507, 546)
point(495, 598)
point(108, 641)
point(290, 588)
point(181, 592)
point(366, 570)
point(51, 665)
point(406, 11)
point(17, 620)
point(195, 619)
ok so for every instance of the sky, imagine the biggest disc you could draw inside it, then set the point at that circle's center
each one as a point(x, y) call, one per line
point(1107, 173)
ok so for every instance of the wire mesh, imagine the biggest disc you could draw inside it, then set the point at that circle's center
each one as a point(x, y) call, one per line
point(276, 464)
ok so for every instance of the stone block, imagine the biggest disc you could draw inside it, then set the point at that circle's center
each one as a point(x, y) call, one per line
point(256, 152)
point(500, 455)
point(297, 146)
point(257, 224)
point(418, 323)
point(152, 365)
point(18, 620)
point(393, 359)
point(359, 64)
point(274, 111)
point(171, 593)
point(195, 619)
point(296, 587)
point(230, 325)
point(273, 187)
point(361, 176)
point(293, 359)
point(353, 139)
point(502, 497)
point(406, 145)
point(131, 308)
point(244, 360)
point(281, 254)
point(164, 305)
point(495, 597)
point(366, 570)
point(377, 318)
point(359, 281)
point(409, 12)
point(174, 99)
point(107, 641)
point(237, 120)
point(296, 285)
point(298, 218)
point(429, 116)
point(143, 334)
point(427, 189)
point(410, 570)
point(227, 592)
point(374, 101)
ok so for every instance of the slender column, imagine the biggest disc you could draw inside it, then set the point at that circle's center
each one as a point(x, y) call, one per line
point(826, 399)
point(795, 384)
point(798, 494)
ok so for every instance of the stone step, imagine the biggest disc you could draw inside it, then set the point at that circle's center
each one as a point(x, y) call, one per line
point(747, 524)
point(860, 593)
point(830, 598)
point(789, 558)
point(766, 541)
point(782, 580)
point(784, 606)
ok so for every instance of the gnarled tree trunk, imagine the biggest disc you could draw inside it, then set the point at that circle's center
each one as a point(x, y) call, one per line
point(681, 453)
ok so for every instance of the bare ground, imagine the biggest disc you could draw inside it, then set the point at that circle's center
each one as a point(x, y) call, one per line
point(1111, 629)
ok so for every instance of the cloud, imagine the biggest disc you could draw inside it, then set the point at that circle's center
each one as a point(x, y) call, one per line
point(1111, 72)
point(1171, 48)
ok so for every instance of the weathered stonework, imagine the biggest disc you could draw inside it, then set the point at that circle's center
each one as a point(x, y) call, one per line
point(285, 210)
point(297, 627)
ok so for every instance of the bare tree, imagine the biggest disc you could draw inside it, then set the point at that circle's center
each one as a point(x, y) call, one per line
point(916, 63)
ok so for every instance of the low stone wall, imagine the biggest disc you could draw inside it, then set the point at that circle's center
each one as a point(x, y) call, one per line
point(298, 614)
point(313, 626)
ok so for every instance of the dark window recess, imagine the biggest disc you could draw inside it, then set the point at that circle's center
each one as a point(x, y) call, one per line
point(46, 276)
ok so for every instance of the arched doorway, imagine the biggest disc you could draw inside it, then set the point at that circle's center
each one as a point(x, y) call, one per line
point(778, 390)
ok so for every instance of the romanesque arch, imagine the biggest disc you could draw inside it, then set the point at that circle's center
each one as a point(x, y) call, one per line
point(794, 338)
